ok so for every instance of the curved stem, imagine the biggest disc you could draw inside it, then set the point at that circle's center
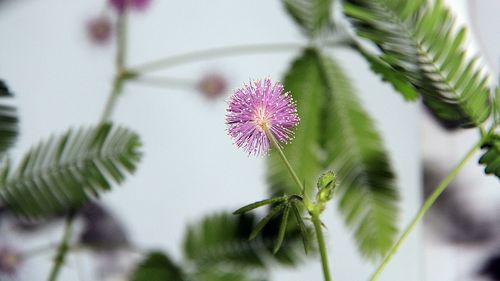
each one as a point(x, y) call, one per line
point(425, 207)
point(214, 53)
point(63, 247)
point(321, 245)
point(275, 143)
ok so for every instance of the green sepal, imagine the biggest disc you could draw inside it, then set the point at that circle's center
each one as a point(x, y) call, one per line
point(282, 230)
point(274, 211)
point(258, 204)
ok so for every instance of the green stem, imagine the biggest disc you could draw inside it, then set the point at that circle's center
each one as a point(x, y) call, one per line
point(224, 52)
point(312, 208)
point(121, 73)
point(112, 99)
point(285, 160)
point(425, 207)
point(321, 244)
point(63, 247)
point(165, 82)
point(214, 53)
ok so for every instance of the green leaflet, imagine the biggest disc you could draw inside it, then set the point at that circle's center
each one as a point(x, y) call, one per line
point(8, 121)
point(156, 266)
point(63, 172)
point(311, 15)
point(419, 40)
point(491, 156)
point(337, 134)
point(390, 75)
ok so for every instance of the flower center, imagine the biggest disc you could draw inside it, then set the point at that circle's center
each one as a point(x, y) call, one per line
point(261, 118)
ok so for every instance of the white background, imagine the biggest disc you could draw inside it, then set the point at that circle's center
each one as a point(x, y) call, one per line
point(190, 167)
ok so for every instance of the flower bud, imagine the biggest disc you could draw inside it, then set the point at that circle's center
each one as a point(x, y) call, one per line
point(326, 184)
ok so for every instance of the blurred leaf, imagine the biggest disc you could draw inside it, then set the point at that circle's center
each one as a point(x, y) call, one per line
point(395, 78)
point(101, 230)
point(276, 210)
point(303, 80)
point(420, 41)
point(63, 172)
point(4, 90)
point(355, 151)
point(233, 274)
point(8, 121)
point(310, 15)
point(496, 107)
point(157, 267)
point(222, 240)
point(337, 134)
point(491, 157)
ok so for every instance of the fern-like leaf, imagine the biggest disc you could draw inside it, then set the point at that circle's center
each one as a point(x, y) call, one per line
point(222, 240)
point(419, 40)
point(311, 15)
point(62, 173)
point(8, 121)
point(337, 134)
point(157, 267)
point(491, 157)
point(355, 152)
point(303, 81)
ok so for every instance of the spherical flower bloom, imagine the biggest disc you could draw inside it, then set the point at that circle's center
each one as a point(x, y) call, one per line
point(258, 111)
point(213, 85)
point(99, 29)
point(121, 5)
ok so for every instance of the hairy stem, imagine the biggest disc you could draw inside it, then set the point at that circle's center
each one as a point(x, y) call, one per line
point(321, 244)
point(63, 247)
point(425, 207)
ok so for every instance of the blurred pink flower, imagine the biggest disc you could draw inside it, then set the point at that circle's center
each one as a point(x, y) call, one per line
point(121, 5)
point(99, 29)
point(213, 85)
point(10, 260)
point(257, 108)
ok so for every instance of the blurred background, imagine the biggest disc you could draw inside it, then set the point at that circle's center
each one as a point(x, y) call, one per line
point(60, 77)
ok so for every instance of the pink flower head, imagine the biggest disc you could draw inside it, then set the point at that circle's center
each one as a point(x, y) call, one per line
point(99, 29)
point(258, 107)
point(122, 5)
